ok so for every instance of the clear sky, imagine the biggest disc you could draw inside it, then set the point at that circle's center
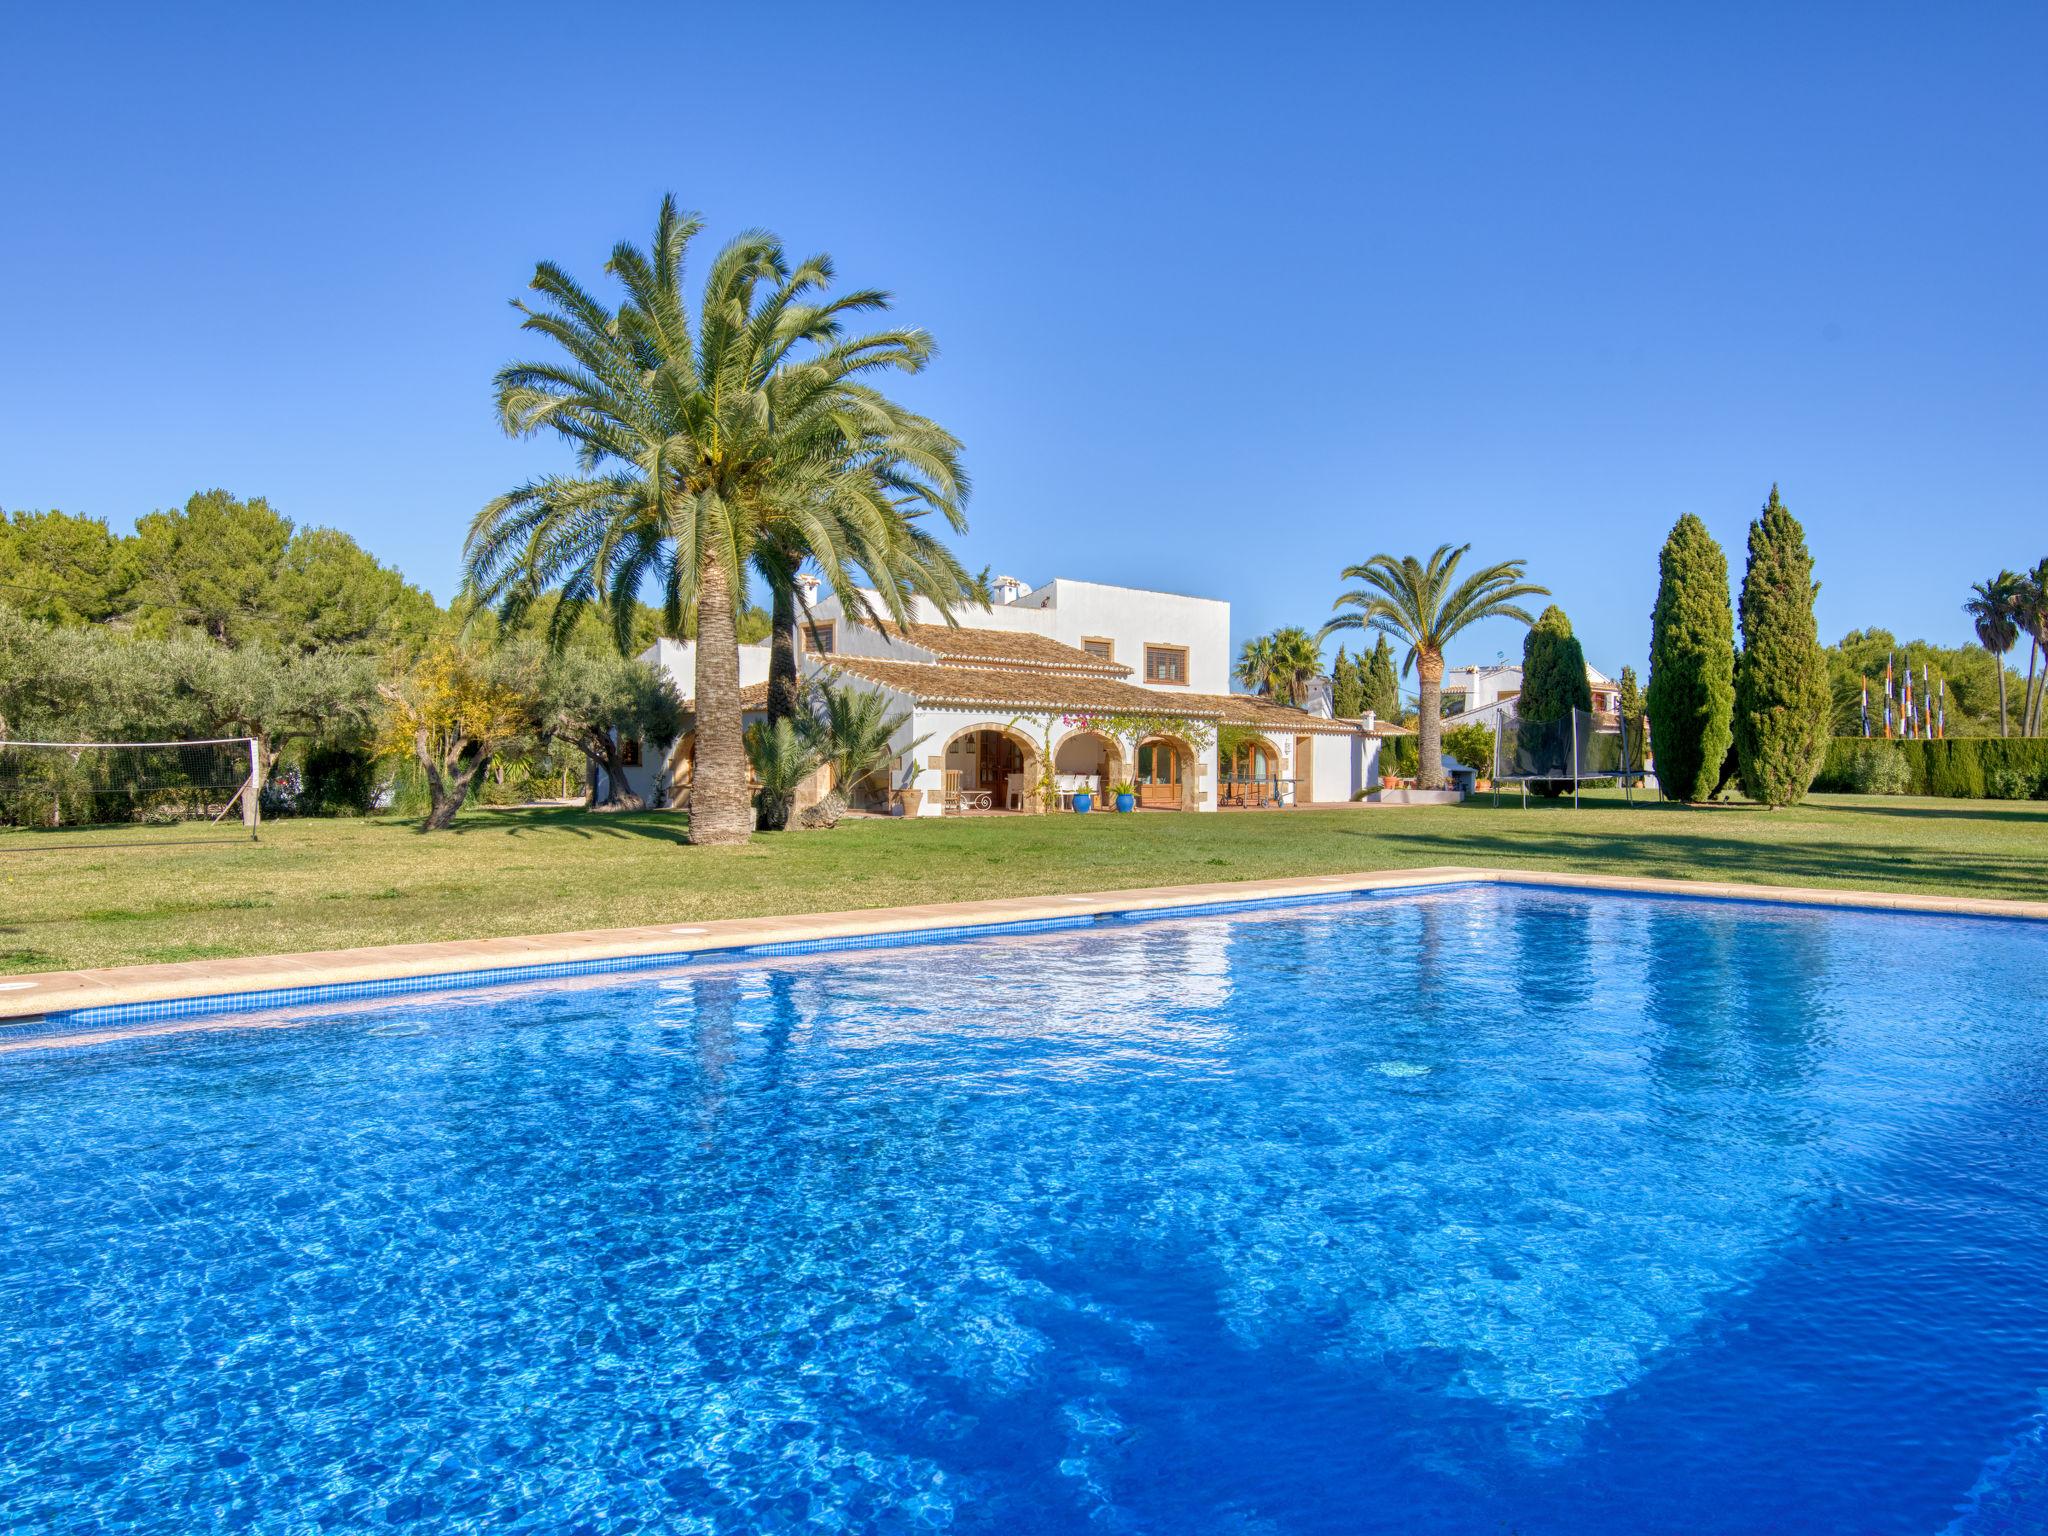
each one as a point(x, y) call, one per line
point(1226, 299)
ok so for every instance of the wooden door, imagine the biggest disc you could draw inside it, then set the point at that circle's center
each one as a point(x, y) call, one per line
point(1304, 769)
point(1159, 776)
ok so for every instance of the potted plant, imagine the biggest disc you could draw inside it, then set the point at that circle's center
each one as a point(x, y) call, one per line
point(1084, 801)
point(1126, 796)
point(909, 799)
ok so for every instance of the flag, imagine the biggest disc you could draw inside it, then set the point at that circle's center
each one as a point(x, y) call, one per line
point(1866, 708)
point(1941, 723)
point(1888, 696)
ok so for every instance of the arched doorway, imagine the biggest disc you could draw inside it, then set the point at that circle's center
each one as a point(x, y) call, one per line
point(1088, 760)
point(990, 768)
point(1164, 769)
point(1252, 776)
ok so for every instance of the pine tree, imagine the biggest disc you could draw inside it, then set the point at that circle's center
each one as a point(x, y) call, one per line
point(1692, 663)
point(1381, 683)
point(1783, 704)
point(1347, 685)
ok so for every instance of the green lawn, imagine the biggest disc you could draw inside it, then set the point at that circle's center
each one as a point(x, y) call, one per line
point(327, 884)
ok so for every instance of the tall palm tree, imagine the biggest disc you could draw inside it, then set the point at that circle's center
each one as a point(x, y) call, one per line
point(2030, 612)
point(698, 439)
point(1991, 609)
point(1425, 605)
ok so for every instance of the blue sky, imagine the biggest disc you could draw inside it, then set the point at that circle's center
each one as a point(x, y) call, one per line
point(1227, 299)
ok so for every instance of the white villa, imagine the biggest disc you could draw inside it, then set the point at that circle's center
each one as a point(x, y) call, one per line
point(1482, 694)
point(1116, 683)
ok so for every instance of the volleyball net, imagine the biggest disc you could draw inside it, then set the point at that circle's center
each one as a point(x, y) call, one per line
point(63, 793)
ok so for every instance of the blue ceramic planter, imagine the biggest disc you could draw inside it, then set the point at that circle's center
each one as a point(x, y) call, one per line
point(1084, 802)
point(1126, 802)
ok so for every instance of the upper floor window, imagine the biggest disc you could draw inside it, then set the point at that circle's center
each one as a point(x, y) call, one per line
point(819, 638)
point(629, 752)
point(1166, 664)
point(1103, 650)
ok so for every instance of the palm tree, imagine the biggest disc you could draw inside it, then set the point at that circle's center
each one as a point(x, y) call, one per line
point(856, 734)
point(700, 439)
point(782, 754)
point(915, 465)
point(2030, 612)
point(1255, 664)
point(1418, 603)
point(1284, 662)
point(1998, 631)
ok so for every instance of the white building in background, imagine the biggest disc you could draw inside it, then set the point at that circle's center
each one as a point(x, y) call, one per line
point(1116, 683)
point(1480, 695)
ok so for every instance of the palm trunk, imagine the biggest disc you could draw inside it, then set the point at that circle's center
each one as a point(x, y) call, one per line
point(2032, 712)
point(826, 813)
point(1998, 660)
point(783, 683)
point(720, 807)
point(2027, 693)
point(1429, 666)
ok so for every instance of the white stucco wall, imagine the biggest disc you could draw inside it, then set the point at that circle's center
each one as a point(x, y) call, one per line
point(1131, 618)
point(679, 657)
point(1071, 611)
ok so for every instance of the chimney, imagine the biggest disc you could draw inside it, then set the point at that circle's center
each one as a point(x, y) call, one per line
point(806, 590)
point(1370, 722)
point(1007, 589)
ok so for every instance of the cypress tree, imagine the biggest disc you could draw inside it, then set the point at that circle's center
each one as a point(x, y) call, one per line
point(1347, 687)
point(1553, 670)
point(1692, 663)
point(1381, 683)
point(1783, 704)
point(1553, 685)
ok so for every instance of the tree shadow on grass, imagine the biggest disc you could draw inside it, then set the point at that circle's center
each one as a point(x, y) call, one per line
point(1694, 855)
point(557, 821)
point(1967, 810)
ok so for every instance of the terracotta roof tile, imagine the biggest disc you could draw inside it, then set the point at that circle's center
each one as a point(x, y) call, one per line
point(1004, 648)
point(1252, 709)
point(935, 683)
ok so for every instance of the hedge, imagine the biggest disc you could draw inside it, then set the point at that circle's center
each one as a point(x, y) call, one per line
point(1958, 769)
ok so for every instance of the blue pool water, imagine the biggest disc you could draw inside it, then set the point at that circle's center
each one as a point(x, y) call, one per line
point(1482, 1211)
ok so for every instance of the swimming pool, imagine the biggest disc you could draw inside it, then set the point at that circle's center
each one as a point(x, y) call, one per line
point(1477, 1210)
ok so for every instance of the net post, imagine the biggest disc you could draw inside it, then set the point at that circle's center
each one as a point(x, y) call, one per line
point(252, 792)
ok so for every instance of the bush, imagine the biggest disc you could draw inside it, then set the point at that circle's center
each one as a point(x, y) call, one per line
point(1879, 769)
point(2004, 783)
point(1962, 768)
point(336, 781)
point(1400, 756)
point(1471, 745)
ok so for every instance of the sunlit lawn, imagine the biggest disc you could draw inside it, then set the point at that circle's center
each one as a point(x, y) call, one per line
point(330, 884)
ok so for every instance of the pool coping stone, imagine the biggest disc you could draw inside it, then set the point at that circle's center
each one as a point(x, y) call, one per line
point(45, 997)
